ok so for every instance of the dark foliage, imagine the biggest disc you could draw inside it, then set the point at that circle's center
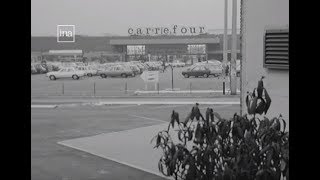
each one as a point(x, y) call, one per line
point(235, 149)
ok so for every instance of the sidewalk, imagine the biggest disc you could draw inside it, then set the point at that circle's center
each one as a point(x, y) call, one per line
point(138, 101)
point(132, 147)
point(185, 92)
point(141, 94)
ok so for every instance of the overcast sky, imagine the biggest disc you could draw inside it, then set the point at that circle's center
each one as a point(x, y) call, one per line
point(96, 17)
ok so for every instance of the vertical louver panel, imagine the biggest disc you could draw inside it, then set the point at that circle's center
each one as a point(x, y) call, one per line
point(276, 49)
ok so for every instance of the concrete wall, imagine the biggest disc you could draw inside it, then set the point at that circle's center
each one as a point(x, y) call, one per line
point(256, 17)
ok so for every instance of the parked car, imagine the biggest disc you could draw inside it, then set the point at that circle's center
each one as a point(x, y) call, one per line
point(215, 70)
point(152, 66)
point(196, 71)
point(89, 71)
point(79, 64)
point(101, 66)
point(116, 71)
point(135, 62)
point(213, 62)
point(40, 69)
point(144, 66)
point(53, 66)
point(136, 70)
point(141, 67)
point(69, 72)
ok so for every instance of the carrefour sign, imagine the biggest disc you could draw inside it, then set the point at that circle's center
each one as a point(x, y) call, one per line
point(173, 30)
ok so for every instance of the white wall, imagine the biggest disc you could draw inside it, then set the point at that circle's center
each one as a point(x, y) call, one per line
point(257, 16)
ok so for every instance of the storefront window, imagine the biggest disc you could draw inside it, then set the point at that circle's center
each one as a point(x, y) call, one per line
point(197, 49)
point(134, 50)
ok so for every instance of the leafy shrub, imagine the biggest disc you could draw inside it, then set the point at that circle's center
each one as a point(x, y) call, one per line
point(216, 148)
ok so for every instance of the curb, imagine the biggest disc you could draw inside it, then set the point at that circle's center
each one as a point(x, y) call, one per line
point(167, 103)
point(43, 106)
point(154, 95)
point(183, 92)
point(46, 106)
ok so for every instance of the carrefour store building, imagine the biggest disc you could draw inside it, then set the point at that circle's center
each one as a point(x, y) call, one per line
point(153, 44)
point(167, 47)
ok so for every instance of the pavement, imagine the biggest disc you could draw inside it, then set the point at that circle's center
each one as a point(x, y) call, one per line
point(41, 86)
point(101, 142)
point(137, 152)
point(142, 155)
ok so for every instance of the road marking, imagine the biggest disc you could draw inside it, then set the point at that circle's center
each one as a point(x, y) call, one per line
point(164, 106)
point(222, 106)
point(182, 91)
point(43, 106)
point(115, 107)
point(153, 119)
point(170, 102)
point(69, 105)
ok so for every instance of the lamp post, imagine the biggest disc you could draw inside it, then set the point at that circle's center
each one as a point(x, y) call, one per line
point(171, 76)
point(225, 35)
point(233, 75)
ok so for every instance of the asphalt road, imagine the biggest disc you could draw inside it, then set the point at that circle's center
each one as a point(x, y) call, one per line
point(50, 160)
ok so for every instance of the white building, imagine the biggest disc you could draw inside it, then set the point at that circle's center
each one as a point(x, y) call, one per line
point(64, 55)
point(265, 46)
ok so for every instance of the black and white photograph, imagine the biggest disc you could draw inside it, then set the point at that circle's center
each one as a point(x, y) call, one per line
point(159, 89)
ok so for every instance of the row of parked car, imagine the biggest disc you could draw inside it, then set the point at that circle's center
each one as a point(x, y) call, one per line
point(41, 68)
point(208, 68)
point(105, 70)
point(76, 70)
point(122, 69)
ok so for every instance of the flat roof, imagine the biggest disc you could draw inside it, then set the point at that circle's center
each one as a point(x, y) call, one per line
point(62, 52)
point(65, 51)
point(145, 40)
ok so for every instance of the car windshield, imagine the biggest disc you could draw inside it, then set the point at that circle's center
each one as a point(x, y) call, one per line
point(214, 67)
point(196, 68)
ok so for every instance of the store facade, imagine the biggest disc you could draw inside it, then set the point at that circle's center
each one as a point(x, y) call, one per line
point(63, 55)
point(187, 48)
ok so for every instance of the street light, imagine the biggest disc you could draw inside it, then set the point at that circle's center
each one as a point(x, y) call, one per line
point(233, 78)
point(171, 76)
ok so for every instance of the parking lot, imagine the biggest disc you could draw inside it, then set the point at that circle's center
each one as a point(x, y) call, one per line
point(117, 86)
point(50, 160)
